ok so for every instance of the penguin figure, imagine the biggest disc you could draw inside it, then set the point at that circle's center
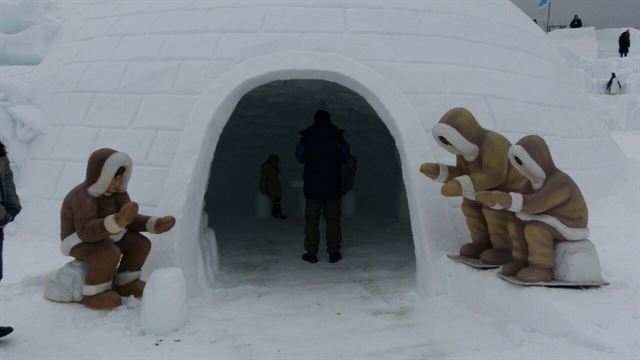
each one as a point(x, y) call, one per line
point(613, 85)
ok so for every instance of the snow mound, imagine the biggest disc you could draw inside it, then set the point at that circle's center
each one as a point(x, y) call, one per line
point(164, 304)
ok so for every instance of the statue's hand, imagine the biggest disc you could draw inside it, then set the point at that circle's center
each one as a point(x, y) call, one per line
point(451, 188)
point(431, 170)
point(494, 199)
point(127, 214)
point(164, 224)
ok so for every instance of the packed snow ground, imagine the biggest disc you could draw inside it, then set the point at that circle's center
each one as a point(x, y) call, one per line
point(270, 304)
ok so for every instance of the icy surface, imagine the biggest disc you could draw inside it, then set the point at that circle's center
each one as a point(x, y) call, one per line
point(164, 304)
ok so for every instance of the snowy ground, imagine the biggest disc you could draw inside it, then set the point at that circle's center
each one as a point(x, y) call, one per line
point(270, 304)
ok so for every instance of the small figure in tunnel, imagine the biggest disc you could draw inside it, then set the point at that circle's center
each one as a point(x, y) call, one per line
point(323, 150)
point(613, 85)
point(270, 185)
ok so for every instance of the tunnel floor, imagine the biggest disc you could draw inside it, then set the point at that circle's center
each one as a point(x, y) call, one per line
point(269, 251)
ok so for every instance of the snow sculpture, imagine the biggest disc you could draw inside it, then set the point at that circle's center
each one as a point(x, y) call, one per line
point(26, 29)
point(481, 164)
point(551, 211)
point(164, 306)
point(99, 223)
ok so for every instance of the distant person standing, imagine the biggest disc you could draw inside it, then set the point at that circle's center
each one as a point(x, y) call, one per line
point(625, 43)
point(613, 85)
point(9, 208)
point(576, 22)
point(323, 150)
point(270, 185)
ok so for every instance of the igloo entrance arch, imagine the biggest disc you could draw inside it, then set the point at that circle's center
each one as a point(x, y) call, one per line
point(375, 221)
point(187, 180)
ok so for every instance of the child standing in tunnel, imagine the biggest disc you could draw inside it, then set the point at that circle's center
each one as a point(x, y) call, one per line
point(270, 185)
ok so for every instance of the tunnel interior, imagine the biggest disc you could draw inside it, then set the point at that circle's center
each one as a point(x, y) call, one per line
point(268, 120)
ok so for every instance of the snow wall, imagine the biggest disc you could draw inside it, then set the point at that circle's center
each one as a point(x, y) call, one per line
point(161, 80)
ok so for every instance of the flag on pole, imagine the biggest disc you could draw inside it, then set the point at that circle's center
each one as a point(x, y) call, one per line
point(543, 3)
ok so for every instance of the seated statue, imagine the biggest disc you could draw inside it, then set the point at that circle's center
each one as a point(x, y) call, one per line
point(100, 226)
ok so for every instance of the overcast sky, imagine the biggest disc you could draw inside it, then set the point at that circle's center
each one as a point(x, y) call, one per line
point(598, 13)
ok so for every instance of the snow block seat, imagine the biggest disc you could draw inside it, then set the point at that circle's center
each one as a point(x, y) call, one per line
point(65, 285)
point(577, 262)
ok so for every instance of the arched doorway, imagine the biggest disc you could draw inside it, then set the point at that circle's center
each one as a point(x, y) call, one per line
point(187, 180)
point(266, 120)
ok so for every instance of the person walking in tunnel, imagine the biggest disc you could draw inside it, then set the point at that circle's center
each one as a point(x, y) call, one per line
point(323, 150)
point(270, 185)
point(9, 208)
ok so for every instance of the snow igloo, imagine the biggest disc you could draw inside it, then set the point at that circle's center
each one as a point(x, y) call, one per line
point(160, 81)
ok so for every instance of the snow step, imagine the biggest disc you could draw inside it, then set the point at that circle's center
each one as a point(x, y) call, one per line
point(554, 283)
point(473, 262)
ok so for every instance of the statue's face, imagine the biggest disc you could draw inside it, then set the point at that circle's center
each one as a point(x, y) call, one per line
point(115, 184)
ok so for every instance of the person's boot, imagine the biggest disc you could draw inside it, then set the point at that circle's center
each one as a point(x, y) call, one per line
point(135, 288)
point(5, 330)
point(106, 300)
point(535, 274)
point(474, 249)
point(310, 258)
point(276, 211)
point(334, 257)
point(496, 256)
point(511, 269)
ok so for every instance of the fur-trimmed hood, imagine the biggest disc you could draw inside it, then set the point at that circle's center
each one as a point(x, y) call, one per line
point(459, 132)
point(102, 166)
point(532, 158)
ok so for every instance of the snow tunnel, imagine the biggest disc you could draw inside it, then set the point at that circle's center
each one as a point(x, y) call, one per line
point(375, 216)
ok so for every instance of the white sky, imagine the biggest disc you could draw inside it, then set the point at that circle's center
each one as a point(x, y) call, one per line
point(598, 13)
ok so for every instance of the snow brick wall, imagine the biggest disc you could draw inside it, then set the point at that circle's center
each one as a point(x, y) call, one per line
point(159, 80)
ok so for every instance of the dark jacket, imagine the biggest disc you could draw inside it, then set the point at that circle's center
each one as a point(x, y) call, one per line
point(9, 201)
point(625, 42)
point(322, 149)
point(576, 23)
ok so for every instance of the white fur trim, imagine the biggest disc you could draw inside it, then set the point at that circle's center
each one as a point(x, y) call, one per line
point(443, 174)
point(109, 169)
point(459, 144)
point(529, 168)
point(151, 224)
point(468, 190)
point(118, 236)
point(516, 202)
point(127, 277)
point(68, 243)
point(497, 207)
point(90, 290)
point(111, 225)
point(568, 232)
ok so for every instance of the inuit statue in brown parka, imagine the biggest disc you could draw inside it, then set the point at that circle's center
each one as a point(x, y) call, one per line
point(100, 225)
point(481, 164)
point(553, 209)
